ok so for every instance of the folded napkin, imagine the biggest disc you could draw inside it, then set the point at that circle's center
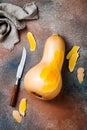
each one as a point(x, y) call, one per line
point(12, 19)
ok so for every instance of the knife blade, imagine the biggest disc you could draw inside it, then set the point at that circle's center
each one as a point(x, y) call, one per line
point(18, 77)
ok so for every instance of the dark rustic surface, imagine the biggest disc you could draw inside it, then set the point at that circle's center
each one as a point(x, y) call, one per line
point(68, 111)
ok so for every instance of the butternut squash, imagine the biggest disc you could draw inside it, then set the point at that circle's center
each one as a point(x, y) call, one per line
point(44, 79)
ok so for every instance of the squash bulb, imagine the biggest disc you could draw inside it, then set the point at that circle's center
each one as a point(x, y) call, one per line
point(44, 79)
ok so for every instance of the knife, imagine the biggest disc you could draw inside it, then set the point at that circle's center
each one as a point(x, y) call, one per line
point(18, 77)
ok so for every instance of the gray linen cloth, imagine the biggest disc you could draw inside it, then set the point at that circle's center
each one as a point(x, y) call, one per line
point(12, 19)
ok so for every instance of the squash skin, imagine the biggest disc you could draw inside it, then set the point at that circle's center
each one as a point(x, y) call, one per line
point(34, 83)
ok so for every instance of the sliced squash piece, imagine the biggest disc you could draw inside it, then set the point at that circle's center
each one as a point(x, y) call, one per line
point(72, 51)
point(32, 41)
point(72, 61)
point(22, 107)
point(17, 116)
point(80, 74)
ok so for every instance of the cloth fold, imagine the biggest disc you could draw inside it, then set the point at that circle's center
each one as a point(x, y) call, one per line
point(12, 19)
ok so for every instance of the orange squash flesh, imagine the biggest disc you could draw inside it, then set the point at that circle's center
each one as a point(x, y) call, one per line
point(50, 73)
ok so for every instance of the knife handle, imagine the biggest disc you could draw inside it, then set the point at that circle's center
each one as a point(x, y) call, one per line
point(14, 95)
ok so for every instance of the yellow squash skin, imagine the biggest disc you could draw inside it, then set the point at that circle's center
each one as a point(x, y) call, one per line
point(44, 79)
